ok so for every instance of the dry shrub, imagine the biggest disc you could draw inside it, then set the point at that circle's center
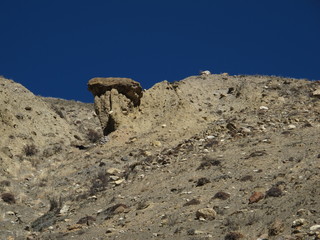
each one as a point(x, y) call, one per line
point(207, 162)
point(5, 183)
point(233, 236)
point(202, 181)
point(93, 136)
point(30, 149)
point(99, 183)
point(55, 149)
point(8, 198)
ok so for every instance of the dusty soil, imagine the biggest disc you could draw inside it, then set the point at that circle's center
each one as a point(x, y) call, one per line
point(213, 157)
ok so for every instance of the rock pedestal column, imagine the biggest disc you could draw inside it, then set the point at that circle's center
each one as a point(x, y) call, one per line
point(114, 99)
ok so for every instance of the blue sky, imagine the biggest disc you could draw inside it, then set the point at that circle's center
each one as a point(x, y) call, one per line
point(54, 47)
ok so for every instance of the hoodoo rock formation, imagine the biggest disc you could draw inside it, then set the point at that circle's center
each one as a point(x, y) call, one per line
point(114, 99)
point(213, 157)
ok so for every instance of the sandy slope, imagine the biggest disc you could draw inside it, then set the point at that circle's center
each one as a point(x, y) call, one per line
point(200, 143)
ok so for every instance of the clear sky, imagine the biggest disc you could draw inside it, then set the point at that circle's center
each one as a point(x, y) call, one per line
point(54, 47)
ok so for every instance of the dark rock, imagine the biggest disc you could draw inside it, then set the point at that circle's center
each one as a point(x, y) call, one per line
point(207, 162)
point(274, 192)
point(221, 195)
point(257, 154)
point(116, 209)
point(86, 220)
point(191, 231)
point(246, 178)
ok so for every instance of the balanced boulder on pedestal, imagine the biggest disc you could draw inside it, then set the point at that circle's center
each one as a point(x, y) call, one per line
point(114, 99)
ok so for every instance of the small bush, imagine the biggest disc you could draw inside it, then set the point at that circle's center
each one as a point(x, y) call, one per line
point(5, 183)
point(34, 162)
point(233, 236)
point(207, 162)
point(30, 149)
point(55, 149)
point(8, 198)
point(202, 181)
point(99, 183)
point(93, 136)
point(172, 220)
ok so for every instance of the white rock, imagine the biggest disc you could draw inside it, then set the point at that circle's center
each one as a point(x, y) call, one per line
point(197, 232)
point(206, 72)
point(298, 222)
point(118, 182)
point(210, 137)
point(64, 209)
point(262, 128)
point(315, 228)
point(156, 144)
point(263, 237)
point(141, 176)
point(100, 211)
point(147, 153)
point(246, 130)
point(114, 171)
point(114, 178)
point(263, 108)
point(94, 197)
point(316, 93)
point(291, 126)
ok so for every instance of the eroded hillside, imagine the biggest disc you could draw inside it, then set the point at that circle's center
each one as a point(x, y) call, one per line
point(208, 157)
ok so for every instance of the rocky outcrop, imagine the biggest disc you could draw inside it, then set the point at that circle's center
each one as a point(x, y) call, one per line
point(114, 99)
